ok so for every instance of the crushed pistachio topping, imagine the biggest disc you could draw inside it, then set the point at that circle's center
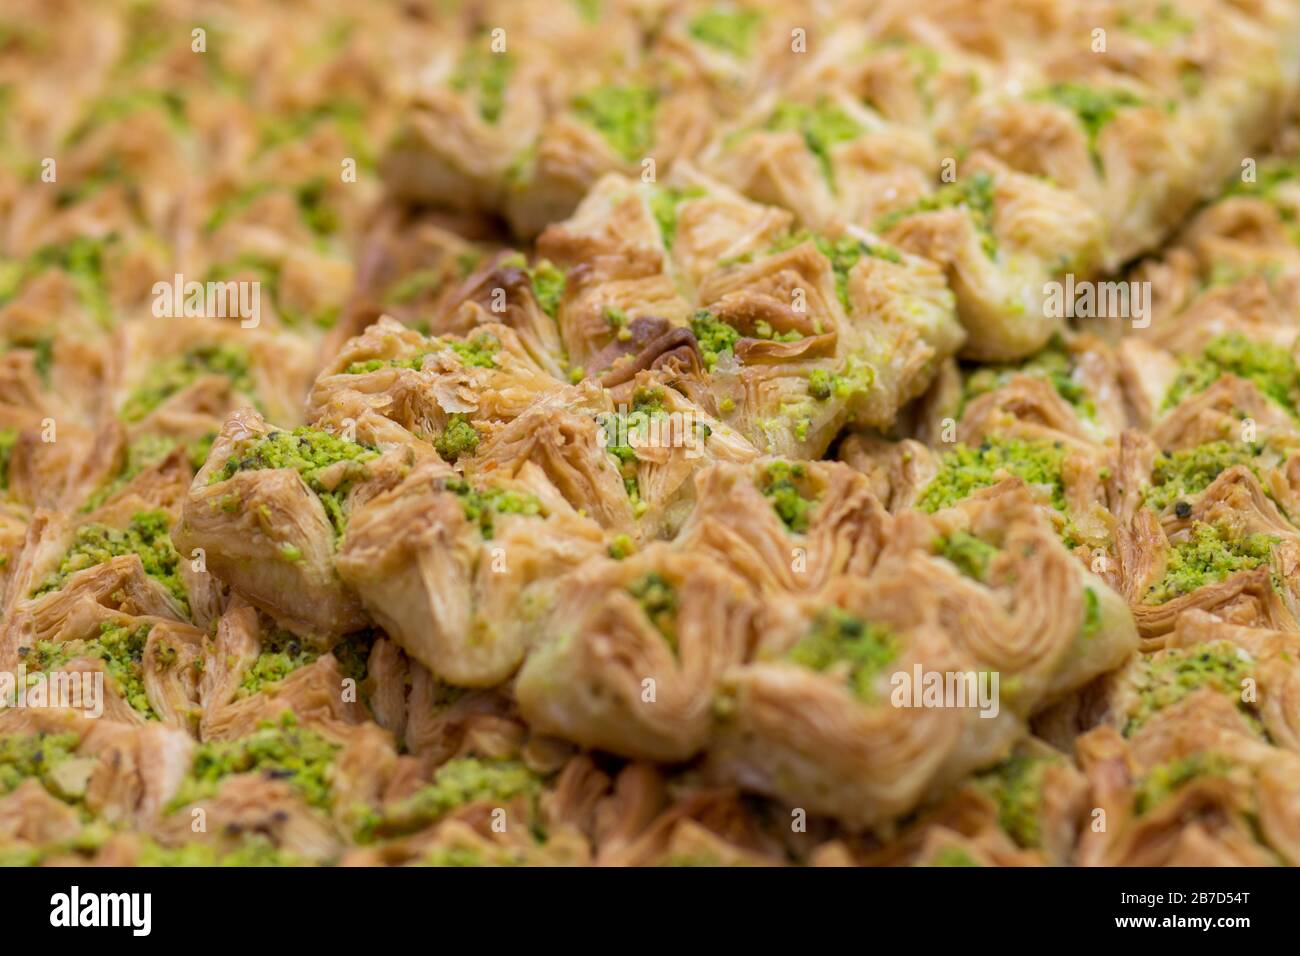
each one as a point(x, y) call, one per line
point(781, 485)
point(461, 856)
point(318, 214)
point(41, 346)
point(1209, 554)
point(1166, 779)
point(480, 351)
point(280, 655)
point(1016, 786)
point(178, 373)
point(1092, 620)
point(1274, 183)
point(119, 645)
point(727, 29)
point(1159, 26)
point(953, 856)
point(281, 750)
point(82, 259)
point(1166, 679)
point(308, 451)
point(970, 554)
point(844, 253)
point(663, 205)
point(965, 470)
point(973, 193)
point(145, 452)
point(715, 337)
point(481, 506)
point(1095, 107)
point(548, 283)
point(39, 756)
point(485, 74)
point(1054, 363)
point(8, 439)
point(457, 439)
point(823, 125)
point(658, 599)
point(623, 115)
point(854, 377)
point(621, 547)
point(1181, 474)
point(148, 536)
point(457, 783)
point(623, 431)
point(841, 641)
point(254, 850)
point(1271, 367)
